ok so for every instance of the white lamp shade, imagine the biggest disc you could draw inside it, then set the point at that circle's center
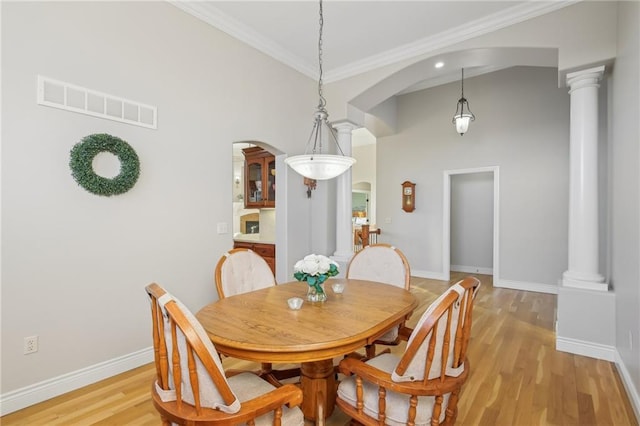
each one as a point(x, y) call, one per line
point(462, 123)
point(320, 166)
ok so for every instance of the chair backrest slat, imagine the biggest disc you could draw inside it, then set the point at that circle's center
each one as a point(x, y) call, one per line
point(175, 358)
point(431, 348)
point(466, 332)
point(445, 346)
point(193, 379)
point(159, 347)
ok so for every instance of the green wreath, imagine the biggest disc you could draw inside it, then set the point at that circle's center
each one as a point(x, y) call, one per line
point(81, 163)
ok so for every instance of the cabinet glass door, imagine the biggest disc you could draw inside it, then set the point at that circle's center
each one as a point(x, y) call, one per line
point(254, 182)
point(271, 180)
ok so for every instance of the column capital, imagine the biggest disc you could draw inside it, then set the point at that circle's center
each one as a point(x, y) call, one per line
point(585, 78)
point(344, 126)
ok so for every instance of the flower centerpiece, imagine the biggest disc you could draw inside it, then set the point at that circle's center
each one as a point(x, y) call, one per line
point(315, 269)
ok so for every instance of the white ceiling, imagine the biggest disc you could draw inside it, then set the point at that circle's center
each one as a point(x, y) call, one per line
point(359, 35)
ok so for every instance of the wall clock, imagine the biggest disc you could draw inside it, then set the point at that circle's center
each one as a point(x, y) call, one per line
point(408, 196)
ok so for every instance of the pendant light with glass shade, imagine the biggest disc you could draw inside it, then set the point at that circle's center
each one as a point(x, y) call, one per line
point(316, 165)
point(461, 118)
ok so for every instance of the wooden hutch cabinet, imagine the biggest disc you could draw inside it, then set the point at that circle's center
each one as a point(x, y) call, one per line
point(259, 178)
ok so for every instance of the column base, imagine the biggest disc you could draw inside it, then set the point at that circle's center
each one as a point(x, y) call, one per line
point(584, 281)
point(586, 323)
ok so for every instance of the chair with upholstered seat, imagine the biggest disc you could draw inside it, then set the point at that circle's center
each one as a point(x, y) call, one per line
point(241, 270)
point(387, 264)
point(190, 385)
point(422, 386)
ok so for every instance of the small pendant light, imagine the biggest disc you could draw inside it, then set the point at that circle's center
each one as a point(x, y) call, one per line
point(461, 118)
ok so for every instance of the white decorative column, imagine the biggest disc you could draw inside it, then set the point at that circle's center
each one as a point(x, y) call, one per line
point(583, 182)
point(344, 239)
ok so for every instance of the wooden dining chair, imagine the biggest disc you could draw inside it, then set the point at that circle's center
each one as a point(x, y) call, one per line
point(241, 270)
point(191, 387)
point(423, 385)
point(386, 264)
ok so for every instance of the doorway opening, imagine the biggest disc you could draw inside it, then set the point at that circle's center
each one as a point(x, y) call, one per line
point(464, 244)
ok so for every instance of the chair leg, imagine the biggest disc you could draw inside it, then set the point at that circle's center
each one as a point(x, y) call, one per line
point(274, 376)
point(452, 408)
point(371, 351)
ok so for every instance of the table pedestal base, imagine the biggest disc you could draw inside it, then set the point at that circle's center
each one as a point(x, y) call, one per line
point(318, 380)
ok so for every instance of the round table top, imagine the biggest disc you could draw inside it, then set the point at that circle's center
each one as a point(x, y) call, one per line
point(259, 326)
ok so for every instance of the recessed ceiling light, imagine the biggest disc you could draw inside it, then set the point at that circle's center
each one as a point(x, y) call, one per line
point(439, 64)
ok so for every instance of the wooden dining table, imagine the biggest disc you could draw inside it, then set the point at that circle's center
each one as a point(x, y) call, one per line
point(259, 326)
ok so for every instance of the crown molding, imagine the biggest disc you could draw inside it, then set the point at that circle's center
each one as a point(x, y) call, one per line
point(494, 22)
point(208, 13)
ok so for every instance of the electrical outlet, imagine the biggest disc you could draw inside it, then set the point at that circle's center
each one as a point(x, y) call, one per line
point(30, 344)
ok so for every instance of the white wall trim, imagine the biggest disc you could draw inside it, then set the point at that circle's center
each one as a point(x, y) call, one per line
point(472, 269)
point(429, 275)
point(526, 286)
point(446, 217)
point(632, 392)
point(513, 15)
point(582, 347)
point(47, 389)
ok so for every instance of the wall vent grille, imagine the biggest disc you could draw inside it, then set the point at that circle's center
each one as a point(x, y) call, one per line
point(70, 97)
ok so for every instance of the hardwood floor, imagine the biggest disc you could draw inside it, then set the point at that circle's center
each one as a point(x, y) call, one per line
point(517, 377)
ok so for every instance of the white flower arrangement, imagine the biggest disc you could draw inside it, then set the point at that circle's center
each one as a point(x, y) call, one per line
point(315, 269)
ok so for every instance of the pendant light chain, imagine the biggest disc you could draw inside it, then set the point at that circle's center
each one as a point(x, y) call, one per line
point(462, 84)
point(322, 102)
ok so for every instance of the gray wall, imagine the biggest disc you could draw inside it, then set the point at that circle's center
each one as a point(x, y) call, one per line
point(522, 125)
point(472, 222)
point(625, 192)
point(74, 265)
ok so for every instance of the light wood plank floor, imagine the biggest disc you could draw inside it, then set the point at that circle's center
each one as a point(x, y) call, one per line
point(517, 377)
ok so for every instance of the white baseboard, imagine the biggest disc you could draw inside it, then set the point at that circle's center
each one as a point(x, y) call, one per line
point(472, 269)
point(47, 389)
point(632, 391)
point(520, 285)
point(582, 347)
point(429, 274)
